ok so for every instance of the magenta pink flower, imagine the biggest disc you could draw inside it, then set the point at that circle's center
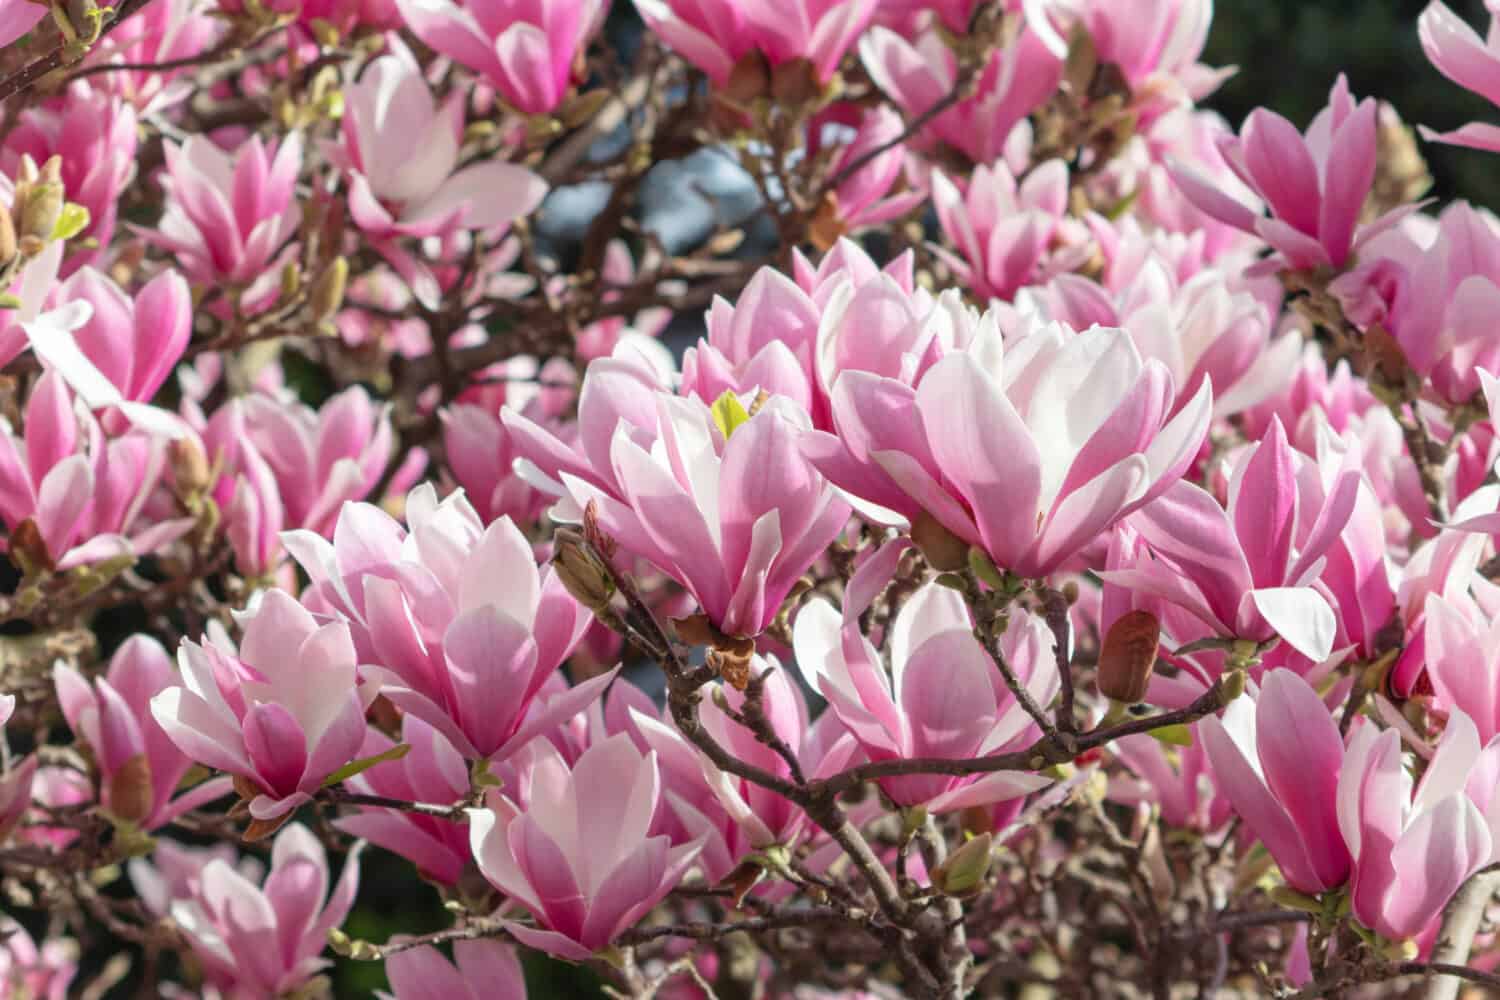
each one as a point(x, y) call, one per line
point(160, 33)
point(485, 969)
point(95, 135)
point(229, 212)
point(133, 340)
point(266, 939)
point(524, 48)
point(453, 618)
point(1411, 852)
point(285, 711)
point(389, 113)
point(579, 856)
point(431, 772)
point(1004, 231)
point(1179, 781)
point(140, 768)
point(1031, 469)
point(869, 195)
point(1469, 61)
point(1247, 572)
point(734, 514)
point(1278, 759)
point(715, 34)
point(46, 972)
point(918, 74)
point(84, 491)
point(1314, 184)
point(943, 697)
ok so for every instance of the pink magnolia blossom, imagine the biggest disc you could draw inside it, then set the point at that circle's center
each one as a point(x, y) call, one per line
point(944, 696)
point(1156, 46)
point(1028, 449)
point(229, 212)
point(133, 340)
point(734, 514)
point(175, 871)
point(1005, 231)
point(160, 33)
point(390, 113)
point(95, 135)
point(1180, 782)
point(26, 970)
point(1246, 571)
point(1278, 758)
point(1412, 848)
point(485, 969)
point(525, 49)
point(140, 768)
point(1469, 61)
point(1434, 293)
point(84, 491)
point(579, 856)
point(715, 34)
point(266, 939)
point(1462, 647)
point(869, 195)
point(285, 711)
point(308, 462)
point(1313, 183)
point(432, 772)
point(919, 74)
point(453, 618)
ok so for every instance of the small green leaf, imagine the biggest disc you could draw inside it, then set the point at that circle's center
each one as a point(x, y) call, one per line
point(1177, 736)
point(9, 301)
point(354, 767)
point(73, 220)
point(729, 413)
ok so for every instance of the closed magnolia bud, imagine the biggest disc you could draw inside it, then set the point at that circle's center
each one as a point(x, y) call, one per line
point(1128, 655)
point(130, 795)
point(964, 872)
point(581, 570)
point(8, 245)
point(190, 471)
point(41, 210)
point(328, 293)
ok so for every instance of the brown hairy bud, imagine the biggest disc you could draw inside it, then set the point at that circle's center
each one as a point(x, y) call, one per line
point(750, 78)
point(585, 575)
point(130, 792)
point(1128, 656)
point(945, 551)
point(190, 470)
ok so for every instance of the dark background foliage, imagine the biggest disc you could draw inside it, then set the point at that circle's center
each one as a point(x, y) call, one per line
point(1289, 53)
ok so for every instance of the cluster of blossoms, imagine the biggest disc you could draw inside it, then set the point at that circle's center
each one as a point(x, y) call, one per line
point(1047, 538)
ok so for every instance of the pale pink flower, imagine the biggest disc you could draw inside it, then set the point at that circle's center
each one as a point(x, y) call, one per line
point(455, 619)
point(715, 34)
point(285, 711)
point(431, 772)
point(229, 212)
point(41, 973)
point(1278, 758)
point(525, 49)
point(1469, 61)
point(579, 856)
point(389, 116)
point(485, 969)
point(140, 768)
point(943, 697)
point(1030, 449)
point(265, 940)
point(734, 514)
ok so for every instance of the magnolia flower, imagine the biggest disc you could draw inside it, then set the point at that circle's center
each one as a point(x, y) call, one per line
point(1278, 758)
point(484, 969)
point(1029, 449)
point(726, 505)
point(17, 17)
point(579, 856)
point(1473, 63)
point(390, 113)
point(229, 212)
point(455, 620)
point(1314, 184)
point(284, 712)
point(265, 940)
point(140, 768)
point(944, 696)
point(524, 48)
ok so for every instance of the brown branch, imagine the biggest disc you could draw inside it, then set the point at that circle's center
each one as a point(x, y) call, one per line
point(28, 75)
